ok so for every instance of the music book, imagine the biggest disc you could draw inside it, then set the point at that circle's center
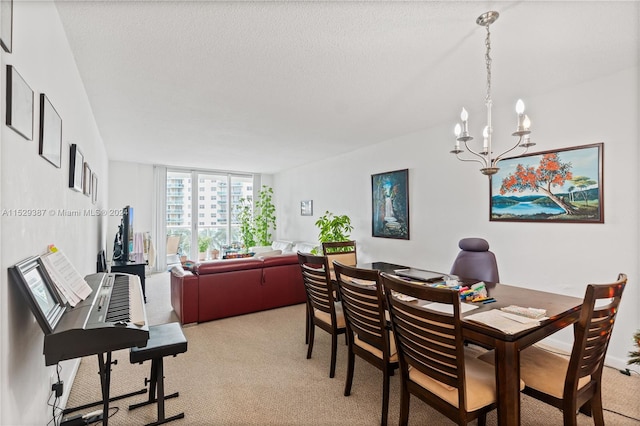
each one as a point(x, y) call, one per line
point(66, 278)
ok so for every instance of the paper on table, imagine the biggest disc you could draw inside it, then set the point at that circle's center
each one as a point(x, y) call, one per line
point(503, 321)
point(66, 277)
point(448, 309)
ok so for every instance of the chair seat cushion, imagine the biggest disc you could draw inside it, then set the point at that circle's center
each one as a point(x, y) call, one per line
point(545, 371)
point(325, 317)
point(393, 357)
point(164, 340)
point(480, 384)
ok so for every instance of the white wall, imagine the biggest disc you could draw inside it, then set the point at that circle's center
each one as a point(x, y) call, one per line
point(130, 184)
point(42, 56)
point(449, 200)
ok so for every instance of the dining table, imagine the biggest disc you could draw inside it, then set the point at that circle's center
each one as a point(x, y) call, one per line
point(561, 311)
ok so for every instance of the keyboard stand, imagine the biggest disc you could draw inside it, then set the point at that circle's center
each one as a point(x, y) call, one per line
point(104, 365)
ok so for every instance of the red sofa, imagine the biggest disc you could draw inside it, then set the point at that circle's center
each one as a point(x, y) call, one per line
point(224, 288)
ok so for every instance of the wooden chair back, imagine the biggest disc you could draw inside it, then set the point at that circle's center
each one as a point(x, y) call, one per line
point(363, 305)
point(316, 284)
point(428, 341)
point(592, 336)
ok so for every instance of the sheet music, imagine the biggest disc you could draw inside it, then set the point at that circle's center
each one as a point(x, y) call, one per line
point(66, 278)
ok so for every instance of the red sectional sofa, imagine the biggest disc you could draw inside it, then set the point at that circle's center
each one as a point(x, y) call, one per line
point(224, 288)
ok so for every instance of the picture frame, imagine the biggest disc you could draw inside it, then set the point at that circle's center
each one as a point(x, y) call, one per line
point(50, 147)
point(35, 284)
point(86, 180)
point(76, 168)
point(390, 204)
point(562, 185)
point(94, 188)
point(19, 108)
point(306, 208)
point(6, 25)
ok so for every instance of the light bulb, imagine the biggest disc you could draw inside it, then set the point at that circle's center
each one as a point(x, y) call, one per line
point(526, 123)
point(485, 132)
point(457, 130)
point(519, 106)
point(464, 115)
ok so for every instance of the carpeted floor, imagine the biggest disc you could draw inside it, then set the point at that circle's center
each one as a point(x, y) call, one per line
point(252, 370)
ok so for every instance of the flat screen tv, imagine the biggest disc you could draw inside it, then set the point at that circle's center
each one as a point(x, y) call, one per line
point(39, 292)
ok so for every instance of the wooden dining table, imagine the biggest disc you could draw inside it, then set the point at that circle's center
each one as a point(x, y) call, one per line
point(562, 311)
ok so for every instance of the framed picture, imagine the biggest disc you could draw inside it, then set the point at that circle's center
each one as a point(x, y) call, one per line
point(306, 208)
point(19, 103)
point(563, 185)
point(6, 24)
point(86, 176)
point(390, 204)
point(76, 168)
point(94, 188)
point(50, 132)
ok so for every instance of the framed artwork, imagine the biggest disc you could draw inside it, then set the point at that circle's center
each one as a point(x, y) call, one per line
point(50, 132)
point(76, 168)
point(390, 204)
point(19, 103)
point(6, 24)
point(306, 208)
point(86, 175)
point(563, 185)
point(94, 188)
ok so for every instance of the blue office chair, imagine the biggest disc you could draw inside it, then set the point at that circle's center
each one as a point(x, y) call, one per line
point(475, 261)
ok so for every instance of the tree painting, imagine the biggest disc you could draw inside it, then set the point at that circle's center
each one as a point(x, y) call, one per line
point(560, 185)
point(551, 172)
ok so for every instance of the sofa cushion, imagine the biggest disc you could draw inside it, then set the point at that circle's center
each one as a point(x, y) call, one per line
point(283, 245)
point(304, 247)
point(227, 265)
point(269, 253)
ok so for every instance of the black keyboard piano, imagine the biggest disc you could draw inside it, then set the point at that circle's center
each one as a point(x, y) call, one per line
point(113, 317)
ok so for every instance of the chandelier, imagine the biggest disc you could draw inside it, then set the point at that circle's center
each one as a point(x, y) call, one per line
point(484, 156)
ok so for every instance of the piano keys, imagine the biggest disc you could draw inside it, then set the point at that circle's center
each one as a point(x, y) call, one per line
point(113, 317)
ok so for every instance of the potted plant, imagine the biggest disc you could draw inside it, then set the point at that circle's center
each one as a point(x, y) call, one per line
point(264, 218)
point(256, 225)
point(634, 357)
point(333, 228)
point(203, 245)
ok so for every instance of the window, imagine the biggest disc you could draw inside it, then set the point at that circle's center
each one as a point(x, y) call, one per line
point(222, 227)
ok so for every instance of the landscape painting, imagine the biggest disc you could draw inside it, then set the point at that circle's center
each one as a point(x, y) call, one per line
point(390, 204)
point(552, 186)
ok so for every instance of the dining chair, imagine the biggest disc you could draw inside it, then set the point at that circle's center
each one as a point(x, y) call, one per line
point(433, 363)
point(342, 251)
point(475, 261)
point(367, 327)
point(575, 384)
point(323, 310)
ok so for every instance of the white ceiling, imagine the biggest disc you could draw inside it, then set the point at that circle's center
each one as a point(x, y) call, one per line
point(264, 86)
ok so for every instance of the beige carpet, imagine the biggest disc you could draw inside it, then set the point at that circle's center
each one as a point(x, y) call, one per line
point(252, 370)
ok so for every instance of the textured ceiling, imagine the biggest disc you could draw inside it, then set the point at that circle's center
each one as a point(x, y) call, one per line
point(260, 86)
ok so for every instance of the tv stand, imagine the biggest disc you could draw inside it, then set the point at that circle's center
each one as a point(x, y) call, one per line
point(134, 267)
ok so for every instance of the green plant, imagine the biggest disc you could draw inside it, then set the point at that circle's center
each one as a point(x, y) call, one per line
point(634, 357)
point(264, 218)
point(203, 243)
point(256, 225)
point(333, 228)
point(245, 217)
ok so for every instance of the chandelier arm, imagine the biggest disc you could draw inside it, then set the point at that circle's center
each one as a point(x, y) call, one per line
point(475, 160)
point(501, 156)
point(483, 159)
